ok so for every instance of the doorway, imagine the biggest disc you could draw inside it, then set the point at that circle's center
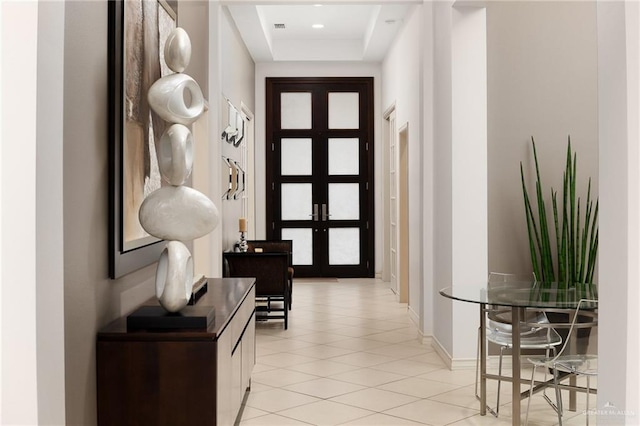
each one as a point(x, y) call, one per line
point(319, 168)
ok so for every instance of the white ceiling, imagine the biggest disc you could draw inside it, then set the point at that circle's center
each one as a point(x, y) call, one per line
point(352, 32)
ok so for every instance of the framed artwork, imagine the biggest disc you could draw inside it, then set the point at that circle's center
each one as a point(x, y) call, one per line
point(137, 32)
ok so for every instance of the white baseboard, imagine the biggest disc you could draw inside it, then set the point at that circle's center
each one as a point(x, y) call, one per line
point(441, 351)
point(415, 318)
point(493, 361)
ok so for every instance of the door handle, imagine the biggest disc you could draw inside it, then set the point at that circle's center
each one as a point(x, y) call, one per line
point(315, 213)
point(325, 214)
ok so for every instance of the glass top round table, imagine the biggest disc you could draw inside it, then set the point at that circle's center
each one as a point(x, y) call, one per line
point(526, 294)
point(519, 295)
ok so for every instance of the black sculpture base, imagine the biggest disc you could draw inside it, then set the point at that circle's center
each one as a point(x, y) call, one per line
point(158, 318)
point(199, 289)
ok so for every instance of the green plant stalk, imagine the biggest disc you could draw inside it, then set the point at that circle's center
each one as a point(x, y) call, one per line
point(593, 246)
point(563, 256)
point(585, 233)
point(575, 226)
point(575, 214)
point(548, 275)
point(571, 207)
point(534, 240)
point(554, 202)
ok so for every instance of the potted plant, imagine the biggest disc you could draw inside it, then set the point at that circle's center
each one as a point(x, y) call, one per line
point(576, 235)
point(576, 232)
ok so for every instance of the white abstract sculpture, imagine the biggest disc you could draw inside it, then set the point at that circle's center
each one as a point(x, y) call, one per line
point(167, 98)
point(175, 154)
point(178, 53)
point(176, 213)
point(174, 276)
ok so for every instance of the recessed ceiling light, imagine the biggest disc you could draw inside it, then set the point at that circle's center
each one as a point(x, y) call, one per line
point(318, 5)
point(317, 26)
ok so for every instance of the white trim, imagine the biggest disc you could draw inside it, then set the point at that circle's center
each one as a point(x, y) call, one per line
point(415, 318)
point(463, 364)
point(493, 361)
point(424, 339)
point(390, 109)
point(248, 162)
point(441, 351)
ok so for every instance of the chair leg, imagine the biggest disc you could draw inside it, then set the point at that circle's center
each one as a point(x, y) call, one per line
point(478, 364)
point(499, 381)
point(494, 413)
point(286, 311)
point(588, 393)
point(526, 418)
point(544, 390)
point(558, 395)
point(546, 370)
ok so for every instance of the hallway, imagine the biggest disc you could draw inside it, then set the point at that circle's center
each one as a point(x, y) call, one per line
point(351, 357)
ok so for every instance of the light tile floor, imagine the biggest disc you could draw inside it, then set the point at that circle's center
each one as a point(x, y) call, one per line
point(351, 356)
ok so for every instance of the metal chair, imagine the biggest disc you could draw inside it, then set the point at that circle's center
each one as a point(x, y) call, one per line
point(567, 361)
point(534, 334)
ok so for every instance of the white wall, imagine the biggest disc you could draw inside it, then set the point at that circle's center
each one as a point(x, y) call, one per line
point(238, 86)
point(460, 173)
point(619, 274)
point(542, 77)
point(31, 270)
point(429, 249)
point(402, 84)
point(442, 160)
point(49, 214)
point(91, 299)
point(468, 168)
point(18, 262)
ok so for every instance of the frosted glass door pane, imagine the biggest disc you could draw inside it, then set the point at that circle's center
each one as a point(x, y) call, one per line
point(296, 157)
point(302, 244)
point(295, 110)
point(344, 156)
point(296, 201)
point(344, 246)
point(344, 201)
point(344, 110)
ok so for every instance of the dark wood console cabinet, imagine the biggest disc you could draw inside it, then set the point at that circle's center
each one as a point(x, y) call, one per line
point(185, 377)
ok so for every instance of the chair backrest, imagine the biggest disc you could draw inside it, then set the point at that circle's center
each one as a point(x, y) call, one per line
point(498, 278)
point(269, 270)
point(583, 319)
point(500, 315)
point(272, 246)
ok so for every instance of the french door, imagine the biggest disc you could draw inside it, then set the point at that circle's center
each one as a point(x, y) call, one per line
point(319, 136)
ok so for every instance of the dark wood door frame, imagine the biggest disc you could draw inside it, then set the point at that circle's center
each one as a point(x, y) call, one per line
point(320, 87)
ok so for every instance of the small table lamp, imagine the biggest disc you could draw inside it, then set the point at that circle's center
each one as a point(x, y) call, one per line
point(242, 227)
